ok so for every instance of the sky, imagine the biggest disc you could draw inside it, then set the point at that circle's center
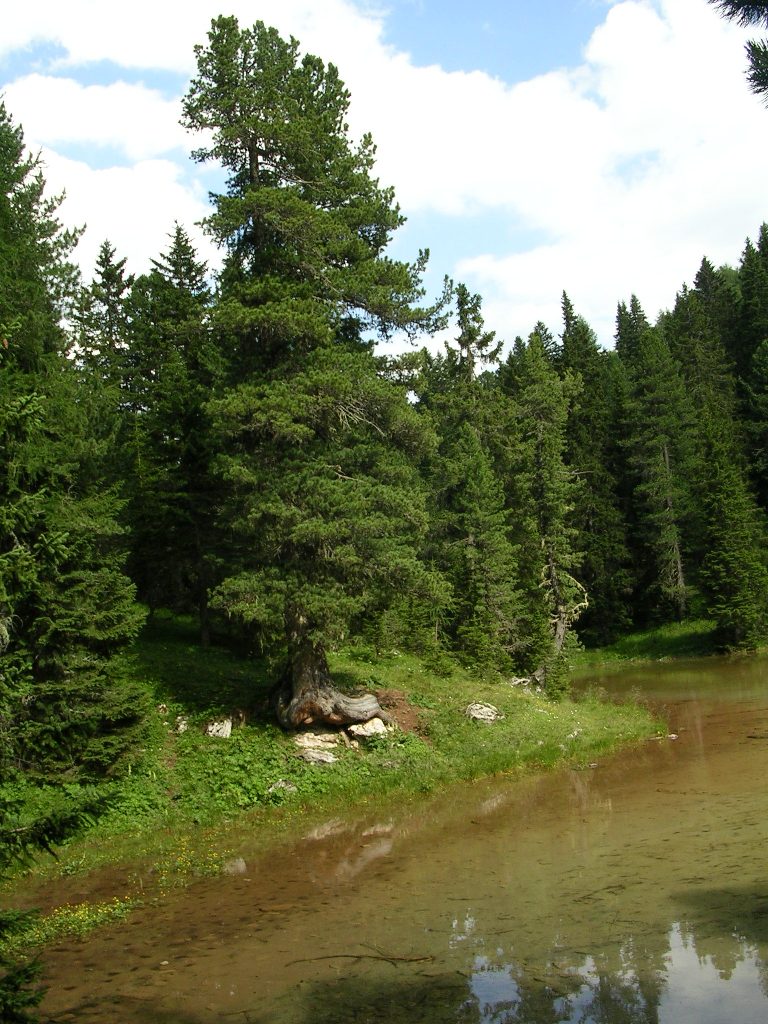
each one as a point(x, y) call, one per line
point(595, 147)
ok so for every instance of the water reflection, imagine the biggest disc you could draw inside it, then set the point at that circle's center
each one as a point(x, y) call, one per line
point(634, 892)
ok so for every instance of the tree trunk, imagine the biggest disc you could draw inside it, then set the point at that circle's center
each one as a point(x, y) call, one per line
point(565, 615)
point(204, 619)
point(306, 694)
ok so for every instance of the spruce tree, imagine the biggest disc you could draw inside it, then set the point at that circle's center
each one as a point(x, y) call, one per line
point(664, 456)
point(546, 492)
point(752, 327)
point(65, 604)
point(756, 423)
point(734, 571)
point(470, 536)
point(103, 328)
point(175, 367)
point(598, 518)
point(631, 325)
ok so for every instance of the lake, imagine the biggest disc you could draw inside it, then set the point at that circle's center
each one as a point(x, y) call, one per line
point(635, 890)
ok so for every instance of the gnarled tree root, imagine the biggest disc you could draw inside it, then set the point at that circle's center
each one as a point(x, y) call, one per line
point(325, 705)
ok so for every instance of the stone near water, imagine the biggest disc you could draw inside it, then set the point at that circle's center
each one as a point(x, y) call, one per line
point(284, 785)
point(236, 866)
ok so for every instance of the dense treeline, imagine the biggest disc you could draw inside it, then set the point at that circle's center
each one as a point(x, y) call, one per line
point(234, 445)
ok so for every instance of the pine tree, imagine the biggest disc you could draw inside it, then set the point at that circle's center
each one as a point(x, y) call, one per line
point(719, 292)
point(664, 455)
point(598, 518)
point(734, 572)
point(469, 536)
point(175, 368)
point(752, 328)
point(329, 509)
point(325, 505)
point(744, 13)
point(695, 343)
point(65, 604)
point(756, 424)
point(475, 345)
point(544, 503)
point(631, 325)
point(103, 340)
point(479, 558)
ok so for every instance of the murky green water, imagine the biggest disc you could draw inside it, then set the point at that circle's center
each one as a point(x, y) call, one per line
point(635, 891)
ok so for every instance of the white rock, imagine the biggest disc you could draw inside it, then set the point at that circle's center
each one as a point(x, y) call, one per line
point(315, 740)
point(480, 712)
point(362, 730)
point(316, 756)
point(519, 681)
point(282, 784)
point(221, 728)
point(182, 724)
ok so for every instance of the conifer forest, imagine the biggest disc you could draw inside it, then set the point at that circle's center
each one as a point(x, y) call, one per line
point(243, 445)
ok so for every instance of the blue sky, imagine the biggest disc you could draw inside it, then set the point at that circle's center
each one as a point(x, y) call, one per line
point(512, 41)
point(592, 146)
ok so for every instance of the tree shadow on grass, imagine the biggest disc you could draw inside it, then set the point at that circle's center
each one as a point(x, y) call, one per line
point(200, 679)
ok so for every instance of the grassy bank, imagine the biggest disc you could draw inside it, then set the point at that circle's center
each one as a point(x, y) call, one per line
point(694, 638)
point(179, 795)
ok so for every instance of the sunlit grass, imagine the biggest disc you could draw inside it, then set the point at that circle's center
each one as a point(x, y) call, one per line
point(690, 639)
point(67, 921)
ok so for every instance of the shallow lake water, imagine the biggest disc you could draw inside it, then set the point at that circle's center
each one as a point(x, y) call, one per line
point(632, 891)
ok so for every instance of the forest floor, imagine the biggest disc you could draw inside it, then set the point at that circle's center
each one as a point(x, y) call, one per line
point(184, 791)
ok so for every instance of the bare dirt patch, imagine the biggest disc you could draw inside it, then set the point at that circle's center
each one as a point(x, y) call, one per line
point(406, 715)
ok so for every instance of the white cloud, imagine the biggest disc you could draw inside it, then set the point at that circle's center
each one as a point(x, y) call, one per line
point(152, 34)
point(630, 167)
point(131, 118)
point(134, 207)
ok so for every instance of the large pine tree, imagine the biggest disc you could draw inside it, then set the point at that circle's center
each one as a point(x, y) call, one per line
point(324, 503)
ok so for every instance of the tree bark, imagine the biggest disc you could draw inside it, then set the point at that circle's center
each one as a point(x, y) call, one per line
point(306, 694)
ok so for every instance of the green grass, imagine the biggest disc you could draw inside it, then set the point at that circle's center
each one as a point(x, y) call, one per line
point(66, 921)
point(693, 638)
